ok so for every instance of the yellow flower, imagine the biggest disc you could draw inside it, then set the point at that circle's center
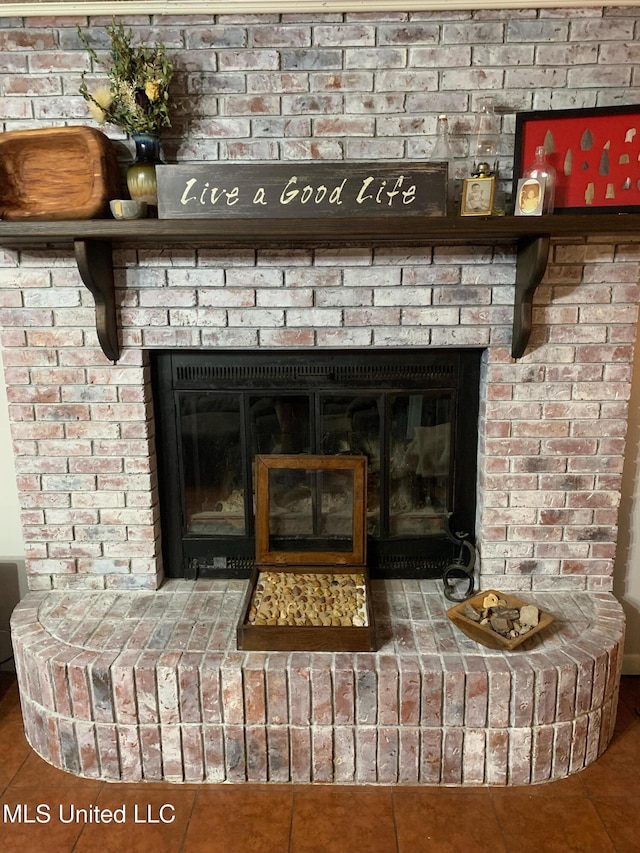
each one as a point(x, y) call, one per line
point(100, 102)
point(152, 90)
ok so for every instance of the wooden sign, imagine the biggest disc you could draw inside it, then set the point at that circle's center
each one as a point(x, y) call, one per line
point(301, 189)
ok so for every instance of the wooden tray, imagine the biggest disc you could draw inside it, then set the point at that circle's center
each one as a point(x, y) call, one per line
point(57, 173)
point(487, 636)
point(303, 638)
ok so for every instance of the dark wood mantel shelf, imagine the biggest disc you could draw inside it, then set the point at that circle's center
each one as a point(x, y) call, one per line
point(94, 239)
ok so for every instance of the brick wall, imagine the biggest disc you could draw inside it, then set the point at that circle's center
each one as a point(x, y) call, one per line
point(351, 86)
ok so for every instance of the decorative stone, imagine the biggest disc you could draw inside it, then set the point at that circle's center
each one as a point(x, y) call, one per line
point(511, 613)
point(529, 615)
point(319, 600)
point(500, 625)
point(471, 613)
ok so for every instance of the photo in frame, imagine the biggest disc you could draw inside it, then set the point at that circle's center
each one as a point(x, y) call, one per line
point(594, 151)
point(477, 196)
point(529, 198)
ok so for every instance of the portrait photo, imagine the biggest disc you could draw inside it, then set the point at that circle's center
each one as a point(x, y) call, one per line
point(477, 196)
point(529, 197)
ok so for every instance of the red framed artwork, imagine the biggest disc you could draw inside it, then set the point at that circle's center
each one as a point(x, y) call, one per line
point(595, 152)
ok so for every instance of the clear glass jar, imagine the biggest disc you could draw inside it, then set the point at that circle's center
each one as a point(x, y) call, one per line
point(487, 130)
point(543, 170)
point(443, 153)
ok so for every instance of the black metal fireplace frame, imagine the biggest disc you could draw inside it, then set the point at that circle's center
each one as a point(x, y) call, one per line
point(433, 370)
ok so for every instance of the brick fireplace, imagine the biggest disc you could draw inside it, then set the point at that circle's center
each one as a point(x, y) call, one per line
point(125, 677)
point(104, 696)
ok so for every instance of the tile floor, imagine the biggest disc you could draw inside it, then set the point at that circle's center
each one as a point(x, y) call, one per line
point(596, 811)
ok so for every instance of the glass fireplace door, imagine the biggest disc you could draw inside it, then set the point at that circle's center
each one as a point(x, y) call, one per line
point(412, 417)
point(405, 437)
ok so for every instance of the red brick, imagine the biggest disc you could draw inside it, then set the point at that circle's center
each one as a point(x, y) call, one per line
point(344, 753)
point(232, 689)
point(388, 683)
point(497, 757)
point(452, 751)
point(321, 691)
point(410, 689)
point(124, 690)
point(366, 754)
point(254, 690)
point(107, 738)
point(387, 757)
point(520, 749)
point(87, 751)
point(431, 755)
point(214, 753)
point(545, 693)
point(278, 753)
point(130, 758)
point(300, 754)
point(277, 688)
point(578, 744)
point(189, 694)
point(256, 746)
point(322, 766)
point(299, 689)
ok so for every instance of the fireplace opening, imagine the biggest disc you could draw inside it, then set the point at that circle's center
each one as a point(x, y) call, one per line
point(412, 413)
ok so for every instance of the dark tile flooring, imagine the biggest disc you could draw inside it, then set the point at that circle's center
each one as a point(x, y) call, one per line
point(596, 811)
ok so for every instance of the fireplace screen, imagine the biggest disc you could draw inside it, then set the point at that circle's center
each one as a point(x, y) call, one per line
point(412, 414)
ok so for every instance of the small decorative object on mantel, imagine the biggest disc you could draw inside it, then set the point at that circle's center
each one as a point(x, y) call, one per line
point(56, 173)
point(310, 590)
point(478, 192)
point(136, 100)
point(529, 197)
point(128, 208)
point(541, 170)
point(302, 189)
point(498, 620)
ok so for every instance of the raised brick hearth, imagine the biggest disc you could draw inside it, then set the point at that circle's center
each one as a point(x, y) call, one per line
point(132, 686)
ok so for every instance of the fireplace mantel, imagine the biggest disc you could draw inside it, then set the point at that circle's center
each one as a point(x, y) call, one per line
point(93, 241)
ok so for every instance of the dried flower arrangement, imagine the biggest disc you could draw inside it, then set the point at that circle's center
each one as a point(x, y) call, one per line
point(137, 98)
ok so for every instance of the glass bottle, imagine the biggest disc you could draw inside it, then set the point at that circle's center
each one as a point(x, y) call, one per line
point(442, 153)
point(542, 169)
point(486, 130)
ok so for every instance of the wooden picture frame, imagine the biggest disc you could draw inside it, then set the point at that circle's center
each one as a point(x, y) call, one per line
point(477, 196)
point(594, 151)
point(310, 466)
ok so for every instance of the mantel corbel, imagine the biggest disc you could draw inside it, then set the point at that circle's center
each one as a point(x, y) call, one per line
point(533, 254)
point(95, 265)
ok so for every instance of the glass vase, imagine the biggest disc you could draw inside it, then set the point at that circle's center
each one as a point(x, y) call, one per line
point(141, 174)
point(486, 130)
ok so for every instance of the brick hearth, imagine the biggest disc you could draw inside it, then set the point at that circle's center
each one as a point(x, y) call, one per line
point(133, 686)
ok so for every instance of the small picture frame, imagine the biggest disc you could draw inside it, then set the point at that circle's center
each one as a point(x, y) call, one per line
point(529, 197)
point(477, 196)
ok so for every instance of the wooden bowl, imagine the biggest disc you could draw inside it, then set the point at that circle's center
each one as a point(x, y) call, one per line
point(57, 173)
point(487, 636)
